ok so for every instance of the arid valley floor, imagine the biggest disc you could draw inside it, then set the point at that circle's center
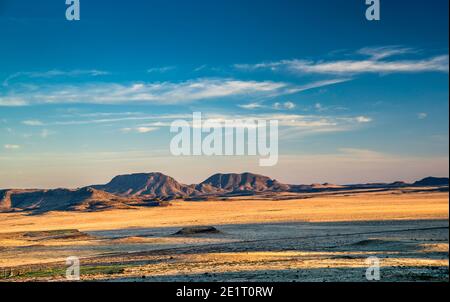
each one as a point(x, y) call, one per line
point(293, 237)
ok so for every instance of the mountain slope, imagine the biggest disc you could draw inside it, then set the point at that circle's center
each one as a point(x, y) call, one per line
point(146, 184)
point(241, 182)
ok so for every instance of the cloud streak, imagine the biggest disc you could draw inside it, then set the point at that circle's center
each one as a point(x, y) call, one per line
point(163, 69)
point(11, 147)
point(163, 93)
point(54, 73)
point(32, 123)
point(294, 125)
point(12, 102)
point(291, 125)
point(139, 130)
point(375, 62)
point(251, 106)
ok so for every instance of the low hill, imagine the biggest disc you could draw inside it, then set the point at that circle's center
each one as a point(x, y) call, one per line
point(432, 181)
point(39, 201)
point(241, 182)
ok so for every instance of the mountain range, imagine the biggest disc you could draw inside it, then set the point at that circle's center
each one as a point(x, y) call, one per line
point(144, 189)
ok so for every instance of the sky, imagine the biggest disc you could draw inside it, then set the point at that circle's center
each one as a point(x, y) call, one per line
point(357, 101)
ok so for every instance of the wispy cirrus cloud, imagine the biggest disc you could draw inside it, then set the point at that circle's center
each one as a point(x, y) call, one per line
point(162, 69)
point(11, 147)
point(277, 106)
point(53, 73)
point(158, 92)
point(363, 119)
point(46, 133)
point(422, 115)
point(291, 125)
point(32, 123)
point(285, 105)
point(439, 64)
point(294, 125)
point(381, 52)
point(319, 84)
point(141, 129)
point(92, 119)
point(251, 106)
point(101, 114)
point(375, 62)
point(12, 101)
point(166, 93)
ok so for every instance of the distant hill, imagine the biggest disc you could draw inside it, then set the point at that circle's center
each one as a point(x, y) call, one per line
point(153, 189)
point(432, 181)
point(241, 183)
point(38, 201)
point(146, 184)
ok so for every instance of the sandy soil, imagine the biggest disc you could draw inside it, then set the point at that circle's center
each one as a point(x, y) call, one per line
point(325, 238)
point(358, 207)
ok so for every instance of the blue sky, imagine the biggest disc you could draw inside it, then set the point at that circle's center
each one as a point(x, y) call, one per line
point(357, 101)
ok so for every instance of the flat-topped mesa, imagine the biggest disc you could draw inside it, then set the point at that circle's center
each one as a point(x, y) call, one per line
point(146, 184)
point(234, 182)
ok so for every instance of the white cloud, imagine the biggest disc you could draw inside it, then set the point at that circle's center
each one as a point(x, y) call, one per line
point(12, 102)
point(11, 147)
point(378, 53)
point(319, 84)
point(289, 105)
point(319, 107)
point(200, 68)
point(369, 66)
point(422, 115)
point(376, 63)
point(252, 106)
point(139, 129)
point(167, 93)
point(161, 69)
point(154, 118)
point(103, 114)
point(352, 67)
point(146, 129)
point(285, 105)
point(293, 125)
point(32, 123)
point(363, 119)
point(159, 92)
point(46, 133)
point(55, 73)
point(300, 124)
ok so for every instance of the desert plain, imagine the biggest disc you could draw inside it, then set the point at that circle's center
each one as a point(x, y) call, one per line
point(294, 237)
